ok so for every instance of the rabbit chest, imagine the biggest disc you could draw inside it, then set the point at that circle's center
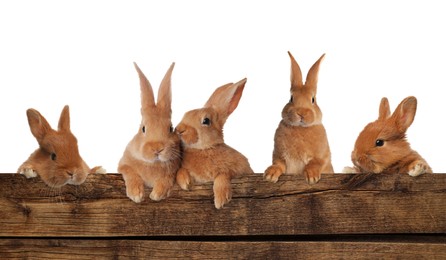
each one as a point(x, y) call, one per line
point(299, 145)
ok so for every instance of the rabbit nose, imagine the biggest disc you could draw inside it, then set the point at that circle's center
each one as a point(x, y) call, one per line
point(294, 116)
point(299, 117)
point(157, 152)
point(180, 130)
point(70, 174)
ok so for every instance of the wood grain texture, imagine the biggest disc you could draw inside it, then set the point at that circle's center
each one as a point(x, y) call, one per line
point(338, 204)
point(146, 249)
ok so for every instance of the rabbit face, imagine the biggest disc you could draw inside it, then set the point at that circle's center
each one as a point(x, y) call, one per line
point(158, 142)
point(302, 109)
point(379, 146)
point(65, 165)
point(200, 129)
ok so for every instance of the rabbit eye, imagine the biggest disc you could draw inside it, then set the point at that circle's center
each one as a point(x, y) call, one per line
point(53, 156)
point(206, 121)
point(143, 129)
point(379, 142)
point(171, 129)
point(312, 100)
point(291, 99)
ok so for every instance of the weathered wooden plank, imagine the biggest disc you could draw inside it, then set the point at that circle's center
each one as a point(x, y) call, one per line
point(159, 249)
point(338, 204)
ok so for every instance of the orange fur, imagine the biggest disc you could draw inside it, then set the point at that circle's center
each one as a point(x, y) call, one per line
point(300, 143)
point(206, 157)
point(153, 156)
point(57, 160)
point(395, 154)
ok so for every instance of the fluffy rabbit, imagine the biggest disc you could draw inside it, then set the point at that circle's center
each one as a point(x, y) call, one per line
point(206, 157)
point(382, 146)
point(300, 142)
point(153, 156)
point(57, 160)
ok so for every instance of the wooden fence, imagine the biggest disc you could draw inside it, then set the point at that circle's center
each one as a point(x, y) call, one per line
point(345, 216)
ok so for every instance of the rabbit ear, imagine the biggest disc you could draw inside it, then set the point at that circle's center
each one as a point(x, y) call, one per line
point(404, 114)
point(64, 119)
point(165, 91)
point(38, 124)
point(384, 109)
point(225, 99)
point(313, 73)
point(147, 98)
point(296, 73)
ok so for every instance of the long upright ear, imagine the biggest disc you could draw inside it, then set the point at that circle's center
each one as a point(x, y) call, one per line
point(404, 114)
point(225, 99)
point(296, 73)
point(164, 101)
point(384, 109)
point(64, 119)
point(38, 124)
point(313, 73)
point(147, 98)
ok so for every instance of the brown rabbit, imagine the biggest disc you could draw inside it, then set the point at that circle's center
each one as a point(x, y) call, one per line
point(300, 142)
point(153, 156)
point(382, 146)
point(206, 157)
point(57, 160)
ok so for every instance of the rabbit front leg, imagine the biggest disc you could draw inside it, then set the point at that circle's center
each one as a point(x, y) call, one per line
point(28, 170)
point(312, 171)
point(161, 190)
point(273, 172)
point(134, 184)
point(183, 178)
point(222, 190)
point(419, 167)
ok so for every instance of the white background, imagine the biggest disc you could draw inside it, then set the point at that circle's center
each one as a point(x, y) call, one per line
point(80, 53)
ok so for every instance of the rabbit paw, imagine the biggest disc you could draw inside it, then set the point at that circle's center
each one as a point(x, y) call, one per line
point(28, 172)
point(349, 169)
point(183, 179)
point(222, 198)
point(418, 169)
point(312, 177)
point(157, 196)
point(272, 173)
point(98, 170)
point(222, 191)
point(159, 192)
point(136, 193)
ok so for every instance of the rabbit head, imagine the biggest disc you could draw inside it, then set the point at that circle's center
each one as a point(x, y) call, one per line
point(203, 128)
point(57, 161)
point(383, 142)
point(302, 109)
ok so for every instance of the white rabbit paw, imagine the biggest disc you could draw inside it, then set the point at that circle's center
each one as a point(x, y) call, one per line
point(28, 172)
point(349, 169)
point(98, 170)
point(418, 169)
